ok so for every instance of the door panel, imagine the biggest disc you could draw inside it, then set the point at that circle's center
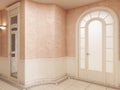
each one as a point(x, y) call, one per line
point(95, 55)
point(95, 46)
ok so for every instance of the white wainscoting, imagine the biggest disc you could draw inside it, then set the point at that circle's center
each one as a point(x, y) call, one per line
point(21, 72)
point(4, 66)
point(5, 69)
point(72, 67)
point(44, 69)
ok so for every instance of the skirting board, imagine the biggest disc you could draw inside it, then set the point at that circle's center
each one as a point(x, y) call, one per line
point(56, 81)
point(53, 81)
point(25, 87)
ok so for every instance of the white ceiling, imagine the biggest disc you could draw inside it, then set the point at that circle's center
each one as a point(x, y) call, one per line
point(67, 4)
point(5, 3)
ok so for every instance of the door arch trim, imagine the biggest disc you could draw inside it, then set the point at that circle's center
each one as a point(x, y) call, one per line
point(116, 23)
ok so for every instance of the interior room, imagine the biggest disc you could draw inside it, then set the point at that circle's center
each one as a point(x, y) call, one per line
point(59, 45)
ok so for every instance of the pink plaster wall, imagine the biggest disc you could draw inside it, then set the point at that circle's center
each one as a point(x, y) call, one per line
point(0, 35)
point(44, 30)
point(0, 43)
point(22, 30)
point(60, 32)
point(3, 35)
point(74, 14)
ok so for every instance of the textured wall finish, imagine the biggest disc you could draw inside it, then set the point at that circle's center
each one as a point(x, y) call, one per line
point(0, 43)
point(45, 42)
point(3, 35)
point(60, 32)
point(44, 30)
point(22, 30)
point(74, 14)
point(0, 34)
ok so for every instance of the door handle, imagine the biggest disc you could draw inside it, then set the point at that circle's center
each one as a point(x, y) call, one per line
point(87, 54)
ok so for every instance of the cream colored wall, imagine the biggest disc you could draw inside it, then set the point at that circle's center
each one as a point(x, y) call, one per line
point(4, 66)
point(42, 70)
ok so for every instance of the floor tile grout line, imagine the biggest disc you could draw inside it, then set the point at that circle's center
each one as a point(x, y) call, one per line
point(87, 86)
point(11, 84)
point(97, 83)
point(18, 87)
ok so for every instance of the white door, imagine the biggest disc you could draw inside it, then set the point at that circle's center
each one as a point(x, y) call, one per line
point(14, 45)
point(94, 52)
point(96, 49)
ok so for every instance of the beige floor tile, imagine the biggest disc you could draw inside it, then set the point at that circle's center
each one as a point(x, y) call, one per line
point(5, 86)
point(66, 85)
point(96, 87)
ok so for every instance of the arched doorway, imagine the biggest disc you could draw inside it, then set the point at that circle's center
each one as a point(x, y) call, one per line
point(98, 46)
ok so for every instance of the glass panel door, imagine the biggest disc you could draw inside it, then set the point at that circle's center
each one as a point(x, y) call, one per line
point(97, 48)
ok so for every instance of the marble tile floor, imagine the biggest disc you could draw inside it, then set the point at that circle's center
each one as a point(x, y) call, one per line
point(66, 85)
point(71, 85)
point(6, 86)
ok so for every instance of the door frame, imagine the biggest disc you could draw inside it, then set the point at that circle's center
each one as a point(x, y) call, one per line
point(116, 41)
point(14, 10)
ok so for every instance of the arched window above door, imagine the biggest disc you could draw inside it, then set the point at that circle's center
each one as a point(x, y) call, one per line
point(97, 45)
point(98, 14)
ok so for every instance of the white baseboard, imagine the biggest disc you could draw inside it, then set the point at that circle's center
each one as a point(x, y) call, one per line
point(37, 71)
point(32, 84)
point(45, 82)
point(42, 70)
point(55, 81)
point(72, 66)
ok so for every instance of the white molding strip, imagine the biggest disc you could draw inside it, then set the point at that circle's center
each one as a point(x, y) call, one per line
point(25, 87)
point(13, 6)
